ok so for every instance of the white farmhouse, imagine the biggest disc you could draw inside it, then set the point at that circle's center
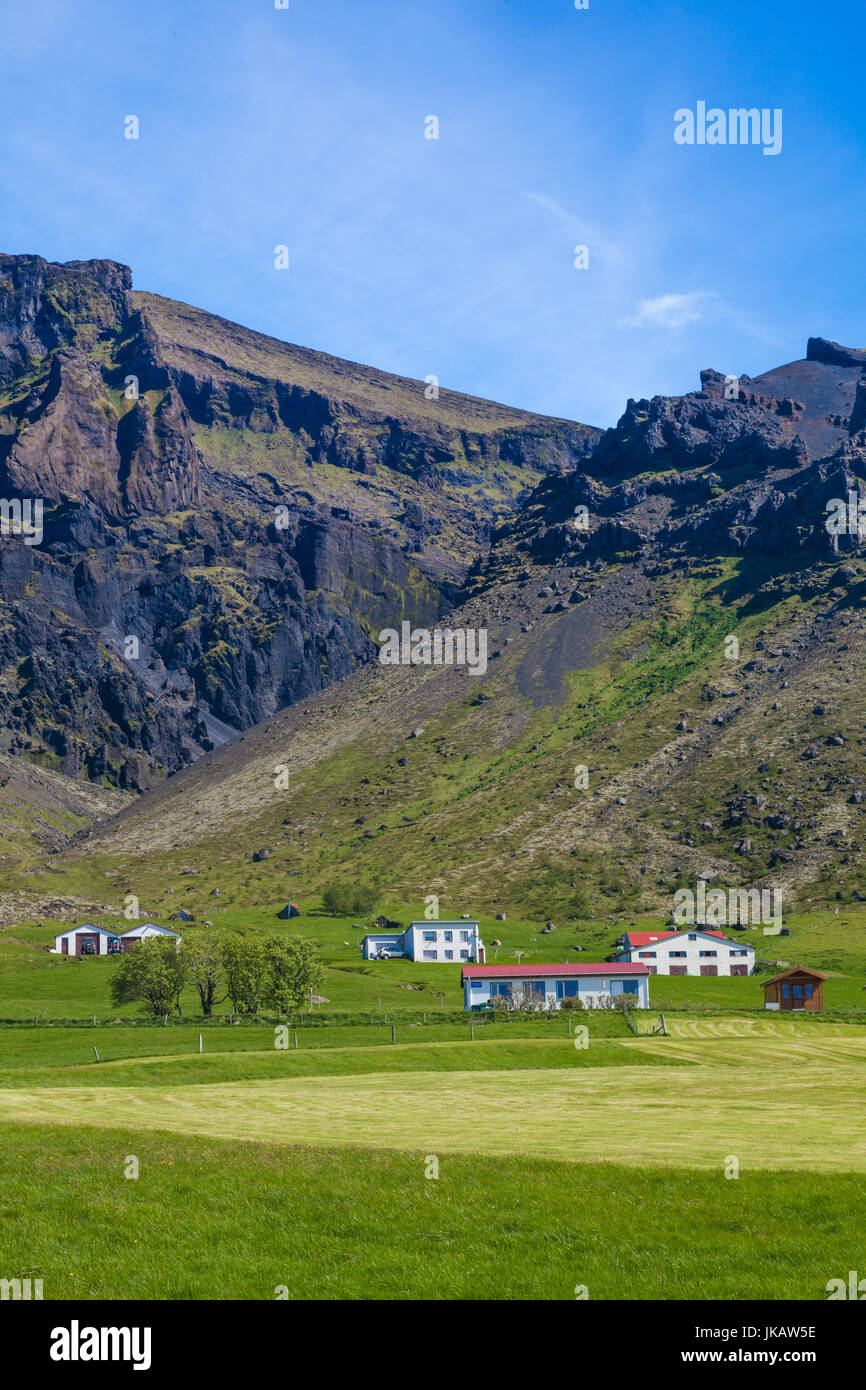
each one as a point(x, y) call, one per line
point(87, 940)
point(427, 941)
point(697, 952)
point(135, 934)
point(547, 985)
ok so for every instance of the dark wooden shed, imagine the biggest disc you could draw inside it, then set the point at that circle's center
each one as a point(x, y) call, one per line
point(798, 988)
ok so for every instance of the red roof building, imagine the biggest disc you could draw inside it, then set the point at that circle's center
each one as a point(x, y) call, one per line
point(594, 984)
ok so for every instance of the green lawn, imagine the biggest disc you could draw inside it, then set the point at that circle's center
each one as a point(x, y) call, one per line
point(212, 1220)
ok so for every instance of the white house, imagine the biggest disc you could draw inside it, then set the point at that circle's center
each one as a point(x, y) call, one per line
point(550, 984)
point(87, 940)
point(135, 934)
point(427, 941)
point(697, 952)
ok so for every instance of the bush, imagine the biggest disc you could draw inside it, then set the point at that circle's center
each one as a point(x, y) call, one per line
point(350, 899)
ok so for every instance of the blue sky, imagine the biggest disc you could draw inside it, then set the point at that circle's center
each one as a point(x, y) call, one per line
point(305, 127)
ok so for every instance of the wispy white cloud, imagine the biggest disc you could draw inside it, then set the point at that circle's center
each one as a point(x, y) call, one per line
point(584, 230)
point(670, 311)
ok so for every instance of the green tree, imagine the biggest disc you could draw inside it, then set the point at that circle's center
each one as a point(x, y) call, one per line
point(203, 958)
point(292, 970)
point(245, 968)
point(351, 899)
point(153, 973)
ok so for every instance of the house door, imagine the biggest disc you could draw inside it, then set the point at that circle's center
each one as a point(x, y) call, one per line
point(797, 1001)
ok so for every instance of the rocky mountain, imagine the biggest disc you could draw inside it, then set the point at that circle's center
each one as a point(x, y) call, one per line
point(676, 639)
point(225, 519)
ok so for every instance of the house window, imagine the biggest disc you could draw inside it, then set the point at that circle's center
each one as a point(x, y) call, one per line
point(464, 936)
point(502, 987)
point(738, 953)
point(693, 936)
point(464, 955)
point(808, 989)
point(647, 955)
point(449, 955)
point(798, 991)
point(785, 991)
point(708, 953)
point(678, 953)
point(431, 955)
point(449, 936)
point(567, 989)
point(429, 936)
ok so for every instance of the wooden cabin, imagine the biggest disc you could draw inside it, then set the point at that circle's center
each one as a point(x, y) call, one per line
point(798, 988)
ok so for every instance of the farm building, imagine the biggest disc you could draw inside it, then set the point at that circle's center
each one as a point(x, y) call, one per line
point(135, 934)
point(797, 988)
point(87, 940)
point(697, 952)
point(290, 910)
point(593, 984)
point(427, 941)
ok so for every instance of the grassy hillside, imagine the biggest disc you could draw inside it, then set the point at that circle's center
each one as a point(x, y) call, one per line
point(434, 781)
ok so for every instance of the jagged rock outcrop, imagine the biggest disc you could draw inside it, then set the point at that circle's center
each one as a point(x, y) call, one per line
point(741, 467)
point(228, 520)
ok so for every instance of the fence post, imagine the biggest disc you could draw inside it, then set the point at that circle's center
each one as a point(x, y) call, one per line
point(393, 1033)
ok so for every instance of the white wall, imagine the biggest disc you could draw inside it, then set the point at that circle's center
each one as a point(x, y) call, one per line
point(101, 945)
point(590, 988)
point(693, 960)
point(417, 945)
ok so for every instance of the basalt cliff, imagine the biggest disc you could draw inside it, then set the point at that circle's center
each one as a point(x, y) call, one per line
point(228, 519)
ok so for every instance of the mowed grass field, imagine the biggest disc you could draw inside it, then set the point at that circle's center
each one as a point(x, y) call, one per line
point(265, 1173)
point(714, 1104)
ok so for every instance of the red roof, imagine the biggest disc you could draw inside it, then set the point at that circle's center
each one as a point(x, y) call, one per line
point(646, 938)
point(480, 972)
